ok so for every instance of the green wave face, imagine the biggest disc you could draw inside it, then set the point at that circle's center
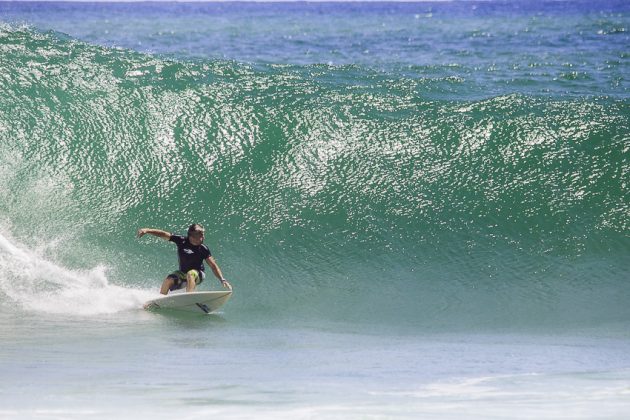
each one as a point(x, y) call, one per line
point(326, 192)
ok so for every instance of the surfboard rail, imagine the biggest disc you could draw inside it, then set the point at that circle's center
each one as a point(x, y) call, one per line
point(195, 302)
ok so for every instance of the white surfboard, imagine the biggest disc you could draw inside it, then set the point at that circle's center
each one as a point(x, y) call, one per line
point(197, 302)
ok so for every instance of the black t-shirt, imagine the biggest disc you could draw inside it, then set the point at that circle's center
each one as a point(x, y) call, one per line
point(190, 256)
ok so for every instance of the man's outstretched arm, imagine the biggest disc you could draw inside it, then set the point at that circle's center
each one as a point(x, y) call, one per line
point(155, 232)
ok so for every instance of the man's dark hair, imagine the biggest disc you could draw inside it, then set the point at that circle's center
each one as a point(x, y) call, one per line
point(195, 227)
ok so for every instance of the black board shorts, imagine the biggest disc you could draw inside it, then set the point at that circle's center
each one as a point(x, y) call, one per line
point(179, 279)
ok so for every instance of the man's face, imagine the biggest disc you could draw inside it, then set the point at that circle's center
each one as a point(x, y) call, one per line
point(196, 238)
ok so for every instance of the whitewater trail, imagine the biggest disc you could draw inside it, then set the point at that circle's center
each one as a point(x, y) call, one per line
point(39, 285)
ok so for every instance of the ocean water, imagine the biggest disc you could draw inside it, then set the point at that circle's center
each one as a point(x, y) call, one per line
point(423, 208)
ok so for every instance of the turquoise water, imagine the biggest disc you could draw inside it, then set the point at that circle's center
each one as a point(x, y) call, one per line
point(422, 207)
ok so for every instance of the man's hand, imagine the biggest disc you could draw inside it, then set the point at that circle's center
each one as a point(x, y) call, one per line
point(226, 284)
point(155, 232)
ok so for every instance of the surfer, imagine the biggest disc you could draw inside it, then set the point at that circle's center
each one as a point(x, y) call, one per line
point(191, 252)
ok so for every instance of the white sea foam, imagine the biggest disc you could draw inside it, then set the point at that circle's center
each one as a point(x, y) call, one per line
point(36, 284)
point(566, 395)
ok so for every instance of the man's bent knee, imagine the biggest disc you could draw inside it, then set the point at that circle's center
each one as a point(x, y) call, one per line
point(193, 275)
point(167, 285)
point(192, 279)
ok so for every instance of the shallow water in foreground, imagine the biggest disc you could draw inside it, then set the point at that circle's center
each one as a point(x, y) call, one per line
point(150, 365)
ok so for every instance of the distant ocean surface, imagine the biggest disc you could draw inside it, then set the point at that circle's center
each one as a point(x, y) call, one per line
point(424, 208)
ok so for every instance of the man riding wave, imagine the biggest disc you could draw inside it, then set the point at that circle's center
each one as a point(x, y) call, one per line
point(192, 253)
